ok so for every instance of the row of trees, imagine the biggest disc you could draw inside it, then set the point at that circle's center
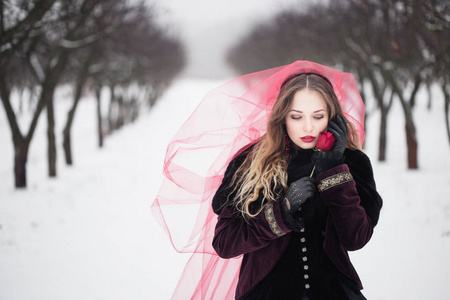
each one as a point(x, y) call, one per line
point(86, 43)
point(396, 46)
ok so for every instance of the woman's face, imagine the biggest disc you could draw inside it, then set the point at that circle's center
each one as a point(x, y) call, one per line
point(307, 118)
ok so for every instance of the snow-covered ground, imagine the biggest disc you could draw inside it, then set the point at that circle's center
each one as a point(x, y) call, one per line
point(90, 234)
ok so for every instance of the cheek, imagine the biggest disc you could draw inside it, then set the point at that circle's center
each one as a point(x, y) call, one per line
point(291, 132)
point(323, 125)
point(291, 127)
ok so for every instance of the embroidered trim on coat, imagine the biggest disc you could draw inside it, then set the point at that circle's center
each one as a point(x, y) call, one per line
point(334, 180)
point(270, 217)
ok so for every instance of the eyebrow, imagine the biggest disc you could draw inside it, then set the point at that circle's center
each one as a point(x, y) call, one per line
point(299, 111)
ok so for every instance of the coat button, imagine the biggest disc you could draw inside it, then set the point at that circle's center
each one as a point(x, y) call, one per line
point(302, 240)
point(306, 267)
point(304, 249)
point(305, 258)
point(306, 276)
point(307, 286)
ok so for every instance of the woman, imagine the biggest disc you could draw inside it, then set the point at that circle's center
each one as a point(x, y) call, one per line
point(293, 229)
point(252, 126)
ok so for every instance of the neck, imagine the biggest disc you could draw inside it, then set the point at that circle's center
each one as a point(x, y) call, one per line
point(303, 154)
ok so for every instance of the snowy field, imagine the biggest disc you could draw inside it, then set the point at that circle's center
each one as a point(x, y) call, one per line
point(89, 233)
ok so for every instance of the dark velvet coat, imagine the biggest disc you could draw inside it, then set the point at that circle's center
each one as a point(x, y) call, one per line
point(352, 204)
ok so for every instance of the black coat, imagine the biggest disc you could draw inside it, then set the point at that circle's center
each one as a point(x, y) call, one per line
point(340, 218)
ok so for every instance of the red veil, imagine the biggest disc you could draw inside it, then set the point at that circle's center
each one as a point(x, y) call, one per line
point(230, 117)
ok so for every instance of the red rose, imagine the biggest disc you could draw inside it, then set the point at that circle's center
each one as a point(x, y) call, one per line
point(325, 141)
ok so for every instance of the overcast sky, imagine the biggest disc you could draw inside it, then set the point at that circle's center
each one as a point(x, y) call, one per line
point(209, 27)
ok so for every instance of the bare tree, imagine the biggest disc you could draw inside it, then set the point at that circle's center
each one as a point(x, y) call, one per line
point(379, 41)
point(44, 37)
point(104, 23)
point(142, 54)
point(17, 25)
point(85, 59)
point(433, 25)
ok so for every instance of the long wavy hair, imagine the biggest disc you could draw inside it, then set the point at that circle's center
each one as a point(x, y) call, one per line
point(263, 176)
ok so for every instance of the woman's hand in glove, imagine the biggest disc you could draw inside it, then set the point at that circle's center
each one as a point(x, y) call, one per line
point(324, 160)
point(298, 192)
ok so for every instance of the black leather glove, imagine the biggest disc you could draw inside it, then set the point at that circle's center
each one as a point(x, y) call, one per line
point(324, 160)
point(298, 193)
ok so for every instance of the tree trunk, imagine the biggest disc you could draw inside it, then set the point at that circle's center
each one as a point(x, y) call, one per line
point(120, 121)
point(384, 110)
point(81, 80)
point(411, 138)
point(99, 117)
point(383, 135)
point(411, 142)
point(20, 163)
point(410, 128)
point(67, 146)
point(134, 109)
point(446, 108)
point(430, 96)
point(52, 76)
point(51, 137)
point(112, 125)
point(21, 143)
point(379, 90)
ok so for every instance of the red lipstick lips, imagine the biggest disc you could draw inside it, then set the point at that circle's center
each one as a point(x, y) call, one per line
point(308, 139)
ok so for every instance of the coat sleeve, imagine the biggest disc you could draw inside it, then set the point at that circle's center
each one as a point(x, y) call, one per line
point(349, 192)
point(235, 235)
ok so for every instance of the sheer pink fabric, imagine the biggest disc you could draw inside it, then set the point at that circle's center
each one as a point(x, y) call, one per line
point(228, 118)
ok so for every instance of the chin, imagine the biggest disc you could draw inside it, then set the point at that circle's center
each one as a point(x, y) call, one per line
point(306, 145)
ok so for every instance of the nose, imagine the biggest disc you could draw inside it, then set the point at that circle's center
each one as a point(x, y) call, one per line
point(307, 125)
